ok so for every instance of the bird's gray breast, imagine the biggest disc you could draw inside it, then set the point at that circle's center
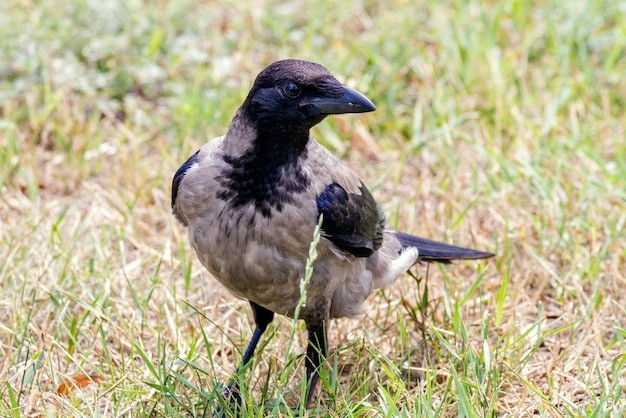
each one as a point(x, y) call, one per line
point(255, 257)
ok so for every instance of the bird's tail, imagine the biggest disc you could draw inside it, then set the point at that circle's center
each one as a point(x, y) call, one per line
point(440, 252)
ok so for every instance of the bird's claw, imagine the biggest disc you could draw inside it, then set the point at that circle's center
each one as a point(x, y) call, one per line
point(232, 403)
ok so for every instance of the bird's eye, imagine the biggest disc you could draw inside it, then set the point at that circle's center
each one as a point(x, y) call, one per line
point(291, 90)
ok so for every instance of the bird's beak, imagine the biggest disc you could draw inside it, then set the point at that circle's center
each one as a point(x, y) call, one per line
point(350, 102)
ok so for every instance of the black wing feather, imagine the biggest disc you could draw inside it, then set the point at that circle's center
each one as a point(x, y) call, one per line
point(180, 175)
point(353, 222)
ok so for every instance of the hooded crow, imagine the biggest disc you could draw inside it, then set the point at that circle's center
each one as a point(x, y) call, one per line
point(253, 198)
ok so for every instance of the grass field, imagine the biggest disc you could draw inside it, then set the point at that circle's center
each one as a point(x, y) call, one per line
point(500, 125)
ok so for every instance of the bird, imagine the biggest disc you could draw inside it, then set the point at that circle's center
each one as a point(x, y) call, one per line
point(252, 199)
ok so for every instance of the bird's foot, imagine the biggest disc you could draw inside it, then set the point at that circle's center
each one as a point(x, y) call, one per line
point(231, 405)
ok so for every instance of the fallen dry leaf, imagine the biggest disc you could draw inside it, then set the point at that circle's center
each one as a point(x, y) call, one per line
point(365, 143)
point(361, 139)
point(77, 382)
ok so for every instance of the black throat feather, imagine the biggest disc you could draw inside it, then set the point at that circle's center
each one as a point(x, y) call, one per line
point(268, 175)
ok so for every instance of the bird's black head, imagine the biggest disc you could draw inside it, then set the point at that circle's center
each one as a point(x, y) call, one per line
point(293, 95)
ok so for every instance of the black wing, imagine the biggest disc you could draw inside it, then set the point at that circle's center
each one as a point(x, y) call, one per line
point(353, 222)
point(180, 175)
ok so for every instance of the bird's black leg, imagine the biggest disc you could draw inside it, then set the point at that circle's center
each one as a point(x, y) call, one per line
point(262, 318)
point(315, 353)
